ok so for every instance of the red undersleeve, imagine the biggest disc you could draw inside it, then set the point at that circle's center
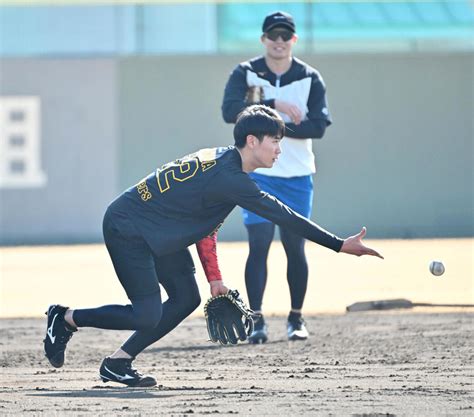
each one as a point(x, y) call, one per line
point(207, 251)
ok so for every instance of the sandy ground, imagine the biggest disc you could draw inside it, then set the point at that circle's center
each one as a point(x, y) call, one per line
point(358, 364)
point(413, 362)
point(31, 278)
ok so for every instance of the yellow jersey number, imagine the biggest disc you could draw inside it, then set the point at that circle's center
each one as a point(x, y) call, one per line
point(179, 171)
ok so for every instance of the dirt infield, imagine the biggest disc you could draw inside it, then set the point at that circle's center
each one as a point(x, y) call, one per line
point(361, 364)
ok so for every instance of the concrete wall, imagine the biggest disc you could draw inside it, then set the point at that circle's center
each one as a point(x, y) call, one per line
point(398, 158)
point(78, 140)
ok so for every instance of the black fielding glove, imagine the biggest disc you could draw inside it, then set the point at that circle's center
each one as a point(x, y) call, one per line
point(228, 318)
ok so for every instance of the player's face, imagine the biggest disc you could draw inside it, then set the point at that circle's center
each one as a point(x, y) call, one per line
point(278, 43)
point(267, 151)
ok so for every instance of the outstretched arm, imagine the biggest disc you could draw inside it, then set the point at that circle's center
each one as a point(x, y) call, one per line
point(353, 245)
point(207, 251)
point(238, 188)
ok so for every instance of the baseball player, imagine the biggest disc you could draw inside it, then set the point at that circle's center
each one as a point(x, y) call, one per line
point(298, 93)
point(149, 227)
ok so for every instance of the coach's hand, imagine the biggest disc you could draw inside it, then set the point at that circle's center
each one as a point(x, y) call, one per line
point(353, 245)
point(292, 111)
point(218, 288)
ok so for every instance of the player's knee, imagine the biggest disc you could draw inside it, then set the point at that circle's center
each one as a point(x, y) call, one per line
point(147, 313)
point(295, 249)
point(259, 249)
point(148, 320)
point(260, 238)
point(147, 323)
point(295, 252)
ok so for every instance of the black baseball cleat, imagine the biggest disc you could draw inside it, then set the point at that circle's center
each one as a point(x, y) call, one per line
point(58, 333)
point(121, 371)
point(296, 328)
point(260, 331)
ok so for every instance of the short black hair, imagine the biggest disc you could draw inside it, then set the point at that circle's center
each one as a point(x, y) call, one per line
point(258, 120)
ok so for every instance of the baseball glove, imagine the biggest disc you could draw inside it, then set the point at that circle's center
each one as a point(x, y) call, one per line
point(228, 318)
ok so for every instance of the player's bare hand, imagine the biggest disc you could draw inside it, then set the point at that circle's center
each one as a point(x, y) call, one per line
point(292, 111)
point(353, 245)
point(218, 288)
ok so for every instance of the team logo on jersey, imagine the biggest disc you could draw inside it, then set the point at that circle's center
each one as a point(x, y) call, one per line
point(205, 165)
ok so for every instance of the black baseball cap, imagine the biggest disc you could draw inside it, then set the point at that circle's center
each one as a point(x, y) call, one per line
point(278, 19)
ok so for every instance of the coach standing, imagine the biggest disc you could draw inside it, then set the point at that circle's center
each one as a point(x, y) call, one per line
point(298, 93)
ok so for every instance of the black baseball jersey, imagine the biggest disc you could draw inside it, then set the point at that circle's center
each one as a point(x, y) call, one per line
point(186, 200)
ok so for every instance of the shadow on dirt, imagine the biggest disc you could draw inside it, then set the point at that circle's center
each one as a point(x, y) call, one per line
point(158, 392)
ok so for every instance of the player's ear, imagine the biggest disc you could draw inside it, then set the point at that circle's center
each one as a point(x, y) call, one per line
point(294, 38)
point(251, 141)
point(262, 38)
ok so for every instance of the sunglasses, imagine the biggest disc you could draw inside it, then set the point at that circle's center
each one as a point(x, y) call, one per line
point(273, 35)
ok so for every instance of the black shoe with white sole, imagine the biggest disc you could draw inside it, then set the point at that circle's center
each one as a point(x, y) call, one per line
point(296, 328)
point(121, 371)
point(58, 333)
point(260, 331)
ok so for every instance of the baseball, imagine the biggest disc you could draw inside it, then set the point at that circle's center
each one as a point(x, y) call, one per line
point(437, 268)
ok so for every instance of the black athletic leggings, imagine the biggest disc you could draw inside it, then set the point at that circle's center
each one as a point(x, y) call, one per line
point(140, 272)
point(260, 238)
point(151, 318)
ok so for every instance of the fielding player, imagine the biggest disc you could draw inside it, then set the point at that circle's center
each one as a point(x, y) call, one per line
point(298, 93)
point(148, 229)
